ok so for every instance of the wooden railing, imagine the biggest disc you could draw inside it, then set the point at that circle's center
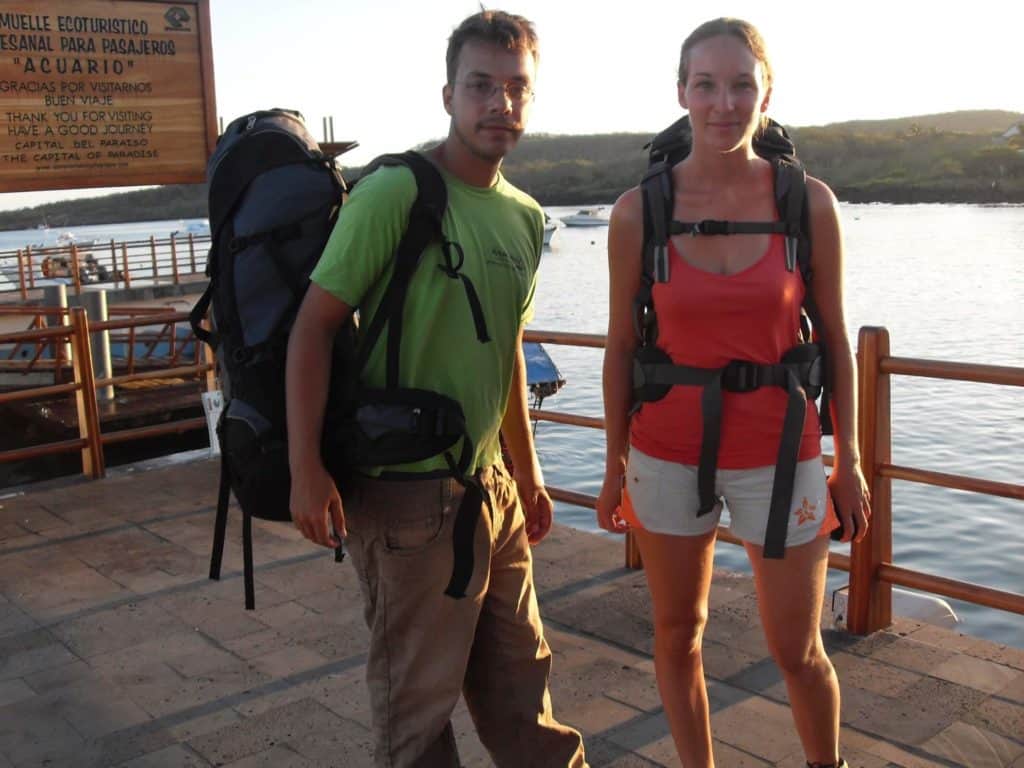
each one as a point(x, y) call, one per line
point(153, 261)
point(85, 386)
point(872, 572)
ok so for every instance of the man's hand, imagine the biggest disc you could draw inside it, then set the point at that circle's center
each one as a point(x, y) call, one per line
point(316, 507)
point(539, 511)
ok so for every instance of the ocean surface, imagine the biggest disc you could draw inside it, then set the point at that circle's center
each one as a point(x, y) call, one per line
point(948, 283)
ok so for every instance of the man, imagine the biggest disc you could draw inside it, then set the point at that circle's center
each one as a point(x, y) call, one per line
point(461, 337)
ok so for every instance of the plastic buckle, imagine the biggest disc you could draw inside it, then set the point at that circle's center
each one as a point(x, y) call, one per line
point(709, 227)
point(741, 376)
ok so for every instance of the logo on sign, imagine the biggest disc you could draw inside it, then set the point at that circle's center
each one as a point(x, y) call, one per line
point(178, 18)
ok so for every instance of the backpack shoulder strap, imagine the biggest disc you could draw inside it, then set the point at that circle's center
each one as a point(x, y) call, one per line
point(791, 199)
point(424, 226)
point(658, 198)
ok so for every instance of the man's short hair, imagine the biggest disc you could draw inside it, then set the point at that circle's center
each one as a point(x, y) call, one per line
point(495, 27)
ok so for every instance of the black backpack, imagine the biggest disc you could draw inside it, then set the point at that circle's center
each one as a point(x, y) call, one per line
point(801, 372)
point(274, 198)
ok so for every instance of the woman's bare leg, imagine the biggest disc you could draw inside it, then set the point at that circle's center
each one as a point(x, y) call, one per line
point(790, 594)
point(678, 572)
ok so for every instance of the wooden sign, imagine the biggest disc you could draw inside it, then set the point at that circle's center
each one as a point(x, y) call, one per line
point(104, 93)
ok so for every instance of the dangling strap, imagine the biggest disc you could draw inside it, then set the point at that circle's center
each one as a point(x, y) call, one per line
point(711, 433)
point(464, 531)
point(250, 587)
point(785, 468)
point(452, 268)
point(221, 522)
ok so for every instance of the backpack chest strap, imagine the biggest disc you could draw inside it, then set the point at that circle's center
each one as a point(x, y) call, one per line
point(719, 227)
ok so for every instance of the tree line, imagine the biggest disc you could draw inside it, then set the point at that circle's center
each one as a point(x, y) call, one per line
point(954, 157)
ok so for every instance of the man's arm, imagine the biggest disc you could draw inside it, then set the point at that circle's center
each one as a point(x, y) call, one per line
point(515, 428)
point(315, 502)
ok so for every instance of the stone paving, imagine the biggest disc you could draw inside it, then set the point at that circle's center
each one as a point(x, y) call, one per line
point(116, 650)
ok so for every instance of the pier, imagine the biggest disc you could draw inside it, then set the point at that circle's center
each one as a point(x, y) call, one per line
point(117, 650)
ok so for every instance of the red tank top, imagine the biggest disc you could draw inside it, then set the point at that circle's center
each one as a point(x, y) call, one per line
point(706, 320)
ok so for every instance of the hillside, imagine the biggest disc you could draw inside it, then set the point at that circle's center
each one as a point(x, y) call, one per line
point(951, 157)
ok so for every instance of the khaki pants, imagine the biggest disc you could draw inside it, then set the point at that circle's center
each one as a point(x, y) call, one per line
point(426, 648)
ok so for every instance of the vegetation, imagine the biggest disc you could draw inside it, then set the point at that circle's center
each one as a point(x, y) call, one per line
point(953, 157)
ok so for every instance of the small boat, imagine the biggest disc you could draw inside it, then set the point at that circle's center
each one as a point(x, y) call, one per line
point(586, 217)
point(53, 239)
point(542, 375)
point(196, 228)
point(550, 228)
point(928, 609)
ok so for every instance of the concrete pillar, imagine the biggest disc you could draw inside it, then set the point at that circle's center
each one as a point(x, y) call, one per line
point(57, 296)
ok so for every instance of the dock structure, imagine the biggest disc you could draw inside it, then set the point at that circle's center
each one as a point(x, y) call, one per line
point(117, 650)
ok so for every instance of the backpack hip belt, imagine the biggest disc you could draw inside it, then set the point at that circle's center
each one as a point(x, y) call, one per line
point(800, 373)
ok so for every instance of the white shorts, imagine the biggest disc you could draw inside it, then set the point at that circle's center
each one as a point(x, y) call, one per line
point(661, 497)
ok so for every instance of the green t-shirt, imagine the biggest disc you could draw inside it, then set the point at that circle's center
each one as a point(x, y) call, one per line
point(500, 230)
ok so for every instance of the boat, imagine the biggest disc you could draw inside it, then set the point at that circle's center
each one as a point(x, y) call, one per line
point(196, 228)
point(928, 609)
point(52, 239)
point(550, 228)
point(586, 217)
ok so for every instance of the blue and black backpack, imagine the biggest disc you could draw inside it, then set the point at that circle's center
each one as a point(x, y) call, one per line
point(274, 199)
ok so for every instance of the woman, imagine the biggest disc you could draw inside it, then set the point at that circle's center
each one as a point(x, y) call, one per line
point(730, 298)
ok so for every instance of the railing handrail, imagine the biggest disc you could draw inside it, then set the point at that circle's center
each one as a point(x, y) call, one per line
point(869, 563)
point(91, 438)
point(870, 566)
point(160, 260)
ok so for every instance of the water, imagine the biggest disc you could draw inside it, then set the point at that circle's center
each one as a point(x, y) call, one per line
point(948, 283)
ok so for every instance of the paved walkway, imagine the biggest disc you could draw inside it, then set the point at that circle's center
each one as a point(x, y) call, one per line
point(116, 650)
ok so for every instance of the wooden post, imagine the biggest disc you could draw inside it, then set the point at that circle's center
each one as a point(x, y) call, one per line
point(192, 252)
point(113, 262)
point(174, 260)
point(85, 396)
point(870, 606)
point(58, 354)
point(208, 358)
point(152, 253)
point(131, 348)
point(633, 559)
point(21, 277)
point(124, 260)
point(76, 276)
point(28, 261)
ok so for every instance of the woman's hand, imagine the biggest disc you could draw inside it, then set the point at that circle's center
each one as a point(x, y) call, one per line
point(609, 503)
point(852, 500)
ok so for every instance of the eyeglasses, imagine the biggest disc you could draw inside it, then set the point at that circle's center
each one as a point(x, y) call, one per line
point(484, 90)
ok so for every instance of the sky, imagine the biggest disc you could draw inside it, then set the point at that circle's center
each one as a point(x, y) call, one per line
point(377, 66)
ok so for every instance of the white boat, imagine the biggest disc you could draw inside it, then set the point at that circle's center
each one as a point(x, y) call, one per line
point(196, 228)
point(586, 217)
point(53, 239)
point(550, 228)
point(928, 609)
